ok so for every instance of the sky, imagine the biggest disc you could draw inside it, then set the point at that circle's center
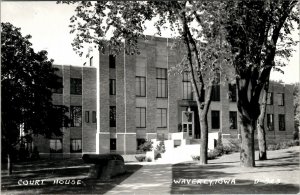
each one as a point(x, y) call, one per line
point(48, 23)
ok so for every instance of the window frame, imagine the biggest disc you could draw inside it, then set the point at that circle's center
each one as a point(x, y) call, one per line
point(75, 86)
point(281, 122)
point(71, 145)
point(280, 96)
point(140, 125)
point(60, 89)
point(212, 121)
point(235, 121)
point(112, 86)
point(232, 92)
point(139, 87)
point(268, 122)
point(56, 150)
point(159, 111)
point(112, 116)
point(161, 79)
point(72, 116)
point(112, 61)
point(269, 98)
point(187, 84)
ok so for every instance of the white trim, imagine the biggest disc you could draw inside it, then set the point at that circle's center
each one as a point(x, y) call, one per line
point(125, 133)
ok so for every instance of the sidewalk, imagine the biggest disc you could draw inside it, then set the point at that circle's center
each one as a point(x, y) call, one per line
point(280, 174)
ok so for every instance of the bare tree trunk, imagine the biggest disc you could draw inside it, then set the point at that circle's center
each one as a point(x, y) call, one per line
point(204, 138)
point(247, 154)
point(261, 133)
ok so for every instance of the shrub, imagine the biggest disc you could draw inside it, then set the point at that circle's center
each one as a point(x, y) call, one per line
point(195, 158)
point(160, 148)
point(211, 155)
point(145, 147)
point(227, 150)
point(140, 158)
point(149, 159)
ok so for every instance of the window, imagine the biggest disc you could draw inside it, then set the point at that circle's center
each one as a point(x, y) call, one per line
point(215, 93)
point(187, 87)
point(233, 120)
point(139, 142)
point(60, 89)
point(281, 120)
point(75, 146)
point(161, 117)
point(76, 116)
point(94, 117)
point(270, 122)
point(87, 116)
point(270, 98)
point(91, 61)
point(215, 119)
point(113, 143)
point(112, 86)
point(76, 86)
point(140, 117)
point(112, 116)
point(56, 146)
point(140, 86)
point(162, 82)
point(60, 115)
point(280, 99)
point(232, 92)
point(112, 61)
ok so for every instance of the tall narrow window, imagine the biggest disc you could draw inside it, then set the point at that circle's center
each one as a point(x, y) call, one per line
point(113, 144)
point(270, 98)
point(60, 89)
point(76, 146)
point(56, 146)
point(215, 93)
point(94, 117)
point(215, 119)
point(76, 116)
point(112, 61)
point(140, 86)
point(76, 86)
point(280, 99)
point(140, 117)
point(270, 122)
point(232, 92)
point(233, 120)
point(112, 86)
point(112, 116)
point(161, 117)
point(162, 82)
point(281, 120)
point(87, 116)
point(187, 87)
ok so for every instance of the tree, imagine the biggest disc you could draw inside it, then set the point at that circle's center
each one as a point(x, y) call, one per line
point(296, 94)
point(110, 24)
point(254, 29)
point(27, 79)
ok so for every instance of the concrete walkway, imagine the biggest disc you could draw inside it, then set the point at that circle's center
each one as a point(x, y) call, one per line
point(280, 174)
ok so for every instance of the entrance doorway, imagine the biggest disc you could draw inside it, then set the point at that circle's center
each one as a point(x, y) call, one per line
point(188, 123)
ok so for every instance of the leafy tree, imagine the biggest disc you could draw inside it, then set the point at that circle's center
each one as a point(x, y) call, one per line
point(108, 24)
point(254, 29)
point(27, 79)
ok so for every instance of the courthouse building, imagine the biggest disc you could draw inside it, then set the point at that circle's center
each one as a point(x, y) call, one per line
point(115, 103)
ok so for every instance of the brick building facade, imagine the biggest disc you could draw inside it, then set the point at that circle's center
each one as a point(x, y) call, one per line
point(138, 100)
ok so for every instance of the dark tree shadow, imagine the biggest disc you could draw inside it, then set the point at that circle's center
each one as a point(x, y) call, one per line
point(55, 170)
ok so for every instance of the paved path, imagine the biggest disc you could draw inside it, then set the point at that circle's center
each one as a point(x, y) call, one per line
point(280, 174)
